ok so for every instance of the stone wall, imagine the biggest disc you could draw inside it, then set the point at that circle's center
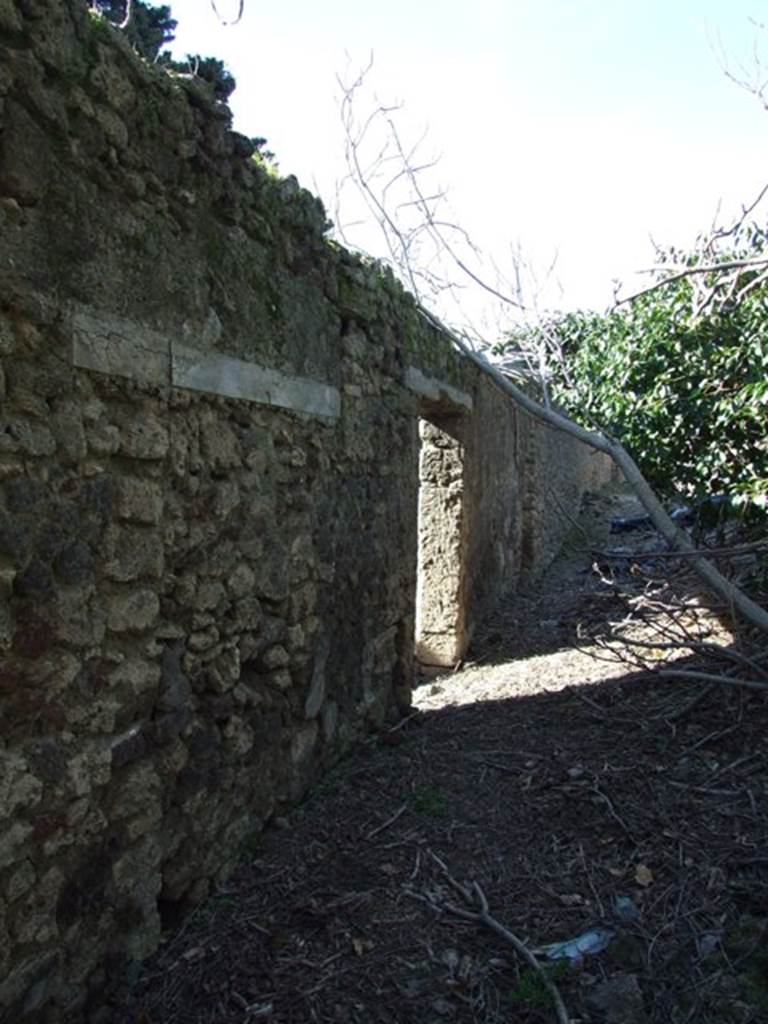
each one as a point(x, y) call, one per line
point(554, 477)
point(209, 451)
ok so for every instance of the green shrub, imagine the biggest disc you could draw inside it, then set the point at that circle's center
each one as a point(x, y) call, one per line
point(686, 394)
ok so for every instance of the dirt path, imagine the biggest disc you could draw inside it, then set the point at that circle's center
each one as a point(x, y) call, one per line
point(579, 795)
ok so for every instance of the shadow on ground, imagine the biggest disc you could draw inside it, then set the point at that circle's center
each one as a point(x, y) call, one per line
point(577, 794)
point(558, 805)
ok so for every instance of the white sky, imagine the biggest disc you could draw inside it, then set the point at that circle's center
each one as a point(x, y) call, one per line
point(581, 127)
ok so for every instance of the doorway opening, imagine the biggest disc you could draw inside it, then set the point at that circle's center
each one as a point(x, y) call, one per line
point(441, 621)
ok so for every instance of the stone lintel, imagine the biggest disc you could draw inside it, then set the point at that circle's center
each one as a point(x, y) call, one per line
point(122, 348)
point(436, 390)
point(235, 378)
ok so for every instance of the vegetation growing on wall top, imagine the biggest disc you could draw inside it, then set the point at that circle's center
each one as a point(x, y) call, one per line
point(150, 29)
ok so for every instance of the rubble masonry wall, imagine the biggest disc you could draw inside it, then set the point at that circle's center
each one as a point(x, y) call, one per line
point(208, 489)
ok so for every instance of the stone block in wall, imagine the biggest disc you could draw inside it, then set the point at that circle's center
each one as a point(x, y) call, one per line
point(113, 86)
point(32, 438)
point(19, 788)
point(303, 602)
point(114, 345)
point(241, 581)
point(136, 790)
point(68, 430)
point(222, 672)
point(135, 552)
point(138, 677)
point(219, 445)
point(238, 736)
point(133, 611)
point(210, 596)
point(12, 840)
point(139, 500)
point(20, 881)
point(10, 19)
point(220, 374)
point(144, 438)
point(33, 919)
point(102, 438)
point(24, 167)
point(75, 566)
point(81, 620)
point(89, 769)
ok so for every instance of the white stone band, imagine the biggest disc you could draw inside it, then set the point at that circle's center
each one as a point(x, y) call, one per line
point(123, 348)
point(436, 390)
point(235, 378)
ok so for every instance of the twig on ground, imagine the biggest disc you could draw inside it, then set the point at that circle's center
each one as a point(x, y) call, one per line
point(404, 721)
point(387, 823)
point(484, 916)
point(612, 811)
point(710, 737)
point(689, 705)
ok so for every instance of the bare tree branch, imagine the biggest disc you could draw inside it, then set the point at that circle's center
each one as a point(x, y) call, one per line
point(705, 268)
point(233, 21)
point(710, 677)
point(725, 284)
point(389, 176)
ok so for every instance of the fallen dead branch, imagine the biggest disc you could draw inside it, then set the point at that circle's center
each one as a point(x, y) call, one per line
point(649, 556)
point(711, 677)
point(475, 896)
